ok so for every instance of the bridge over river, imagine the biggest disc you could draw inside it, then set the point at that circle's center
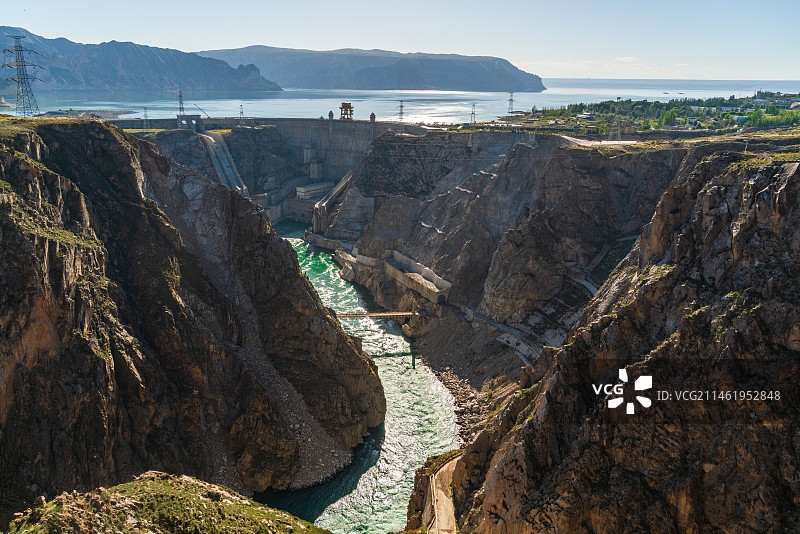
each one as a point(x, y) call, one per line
point(378, 315)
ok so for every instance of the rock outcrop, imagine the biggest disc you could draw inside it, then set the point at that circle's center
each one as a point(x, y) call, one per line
point(153, 319)
point(158, 503)
point(706, 302)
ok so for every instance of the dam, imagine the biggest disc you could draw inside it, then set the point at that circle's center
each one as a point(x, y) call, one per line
point(319, 150)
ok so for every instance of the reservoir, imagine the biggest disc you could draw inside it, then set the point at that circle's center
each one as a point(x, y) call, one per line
point(371, 495)
point(418, 106)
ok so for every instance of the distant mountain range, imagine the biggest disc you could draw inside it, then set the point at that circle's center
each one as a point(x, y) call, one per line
point(130, 67)
point(119, 66)
point(380, 69)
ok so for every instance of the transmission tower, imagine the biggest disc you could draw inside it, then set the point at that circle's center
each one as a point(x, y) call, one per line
point(26, 102)
point(472, 119)
point(400, 114)
point(181, 111)
point(510, 102)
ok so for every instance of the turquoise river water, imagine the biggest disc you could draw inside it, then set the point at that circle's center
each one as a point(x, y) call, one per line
point(371, 495)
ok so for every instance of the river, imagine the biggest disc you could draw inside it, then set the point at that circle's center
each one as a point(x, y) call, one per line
point(371, 495)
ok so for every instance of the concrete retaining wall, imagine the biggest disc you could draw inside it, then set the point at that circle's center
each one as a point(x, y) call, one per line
point(406, 272)
point(323, 242)
point(422, 270)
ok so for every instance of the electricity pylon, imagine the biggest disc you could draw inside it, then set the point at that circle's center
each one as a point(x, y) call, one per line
point(26, 102)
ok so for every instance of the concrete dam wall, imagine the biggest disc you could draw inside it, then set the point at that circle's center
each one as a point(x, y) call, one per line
point(317, 149)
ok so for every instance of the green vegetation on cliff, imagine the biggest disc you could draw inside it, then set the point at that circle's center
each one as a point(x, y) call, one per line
point(158, 503)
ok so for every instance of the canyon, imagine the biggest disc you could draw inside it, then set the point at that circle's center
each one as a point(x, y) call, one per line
point(162, 316)
point(540, 266)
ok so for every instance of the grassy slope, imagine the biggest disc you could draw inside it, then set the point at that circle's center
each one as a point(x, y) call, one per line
point(159, 503)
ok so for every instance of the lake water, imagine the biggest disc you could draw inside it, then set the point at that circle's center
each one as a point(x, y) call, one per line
point(372, 494)
point(418, 106)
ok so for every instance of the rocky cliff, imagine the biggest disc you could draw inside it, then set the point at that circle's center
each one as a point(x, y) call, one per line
point(706, 302)
point(152, 319)
point(453, 204)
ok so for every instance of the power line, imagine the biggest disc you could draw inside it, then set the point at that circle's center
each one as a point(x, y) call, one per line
point(26, 101)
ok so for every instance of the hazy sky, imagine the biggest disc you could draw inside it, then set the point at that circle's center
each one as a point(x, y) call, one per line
point(704, 39)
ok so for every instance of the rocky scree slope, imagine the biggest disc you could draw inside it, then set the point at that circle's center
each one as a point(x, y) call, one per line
point(158, 503)
point(134, 338)
point(707, 300)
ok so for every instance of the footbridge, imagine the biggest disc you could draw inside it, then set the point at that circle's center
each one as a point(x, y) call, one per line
point(379, 315)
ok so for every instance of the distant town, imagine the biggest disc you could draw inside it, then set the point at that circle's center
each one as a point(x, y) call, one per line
point(763, 110)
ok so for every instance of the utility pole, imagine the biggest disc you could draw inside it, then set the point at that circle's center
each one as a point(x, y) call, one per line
point(26, 102)
point(510, 102)
point(181, 111)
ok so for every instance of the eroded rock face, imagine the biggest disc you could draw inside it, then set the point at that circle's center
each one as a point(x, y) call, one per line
point(559, 204)
point(262, 157)
point(527, 270)
point(415, 167)
point(706, 301)
point(152, 319)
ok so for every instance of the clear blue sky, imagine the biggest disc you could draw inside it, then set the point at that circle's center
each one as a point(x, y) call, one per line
point(705, 39)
